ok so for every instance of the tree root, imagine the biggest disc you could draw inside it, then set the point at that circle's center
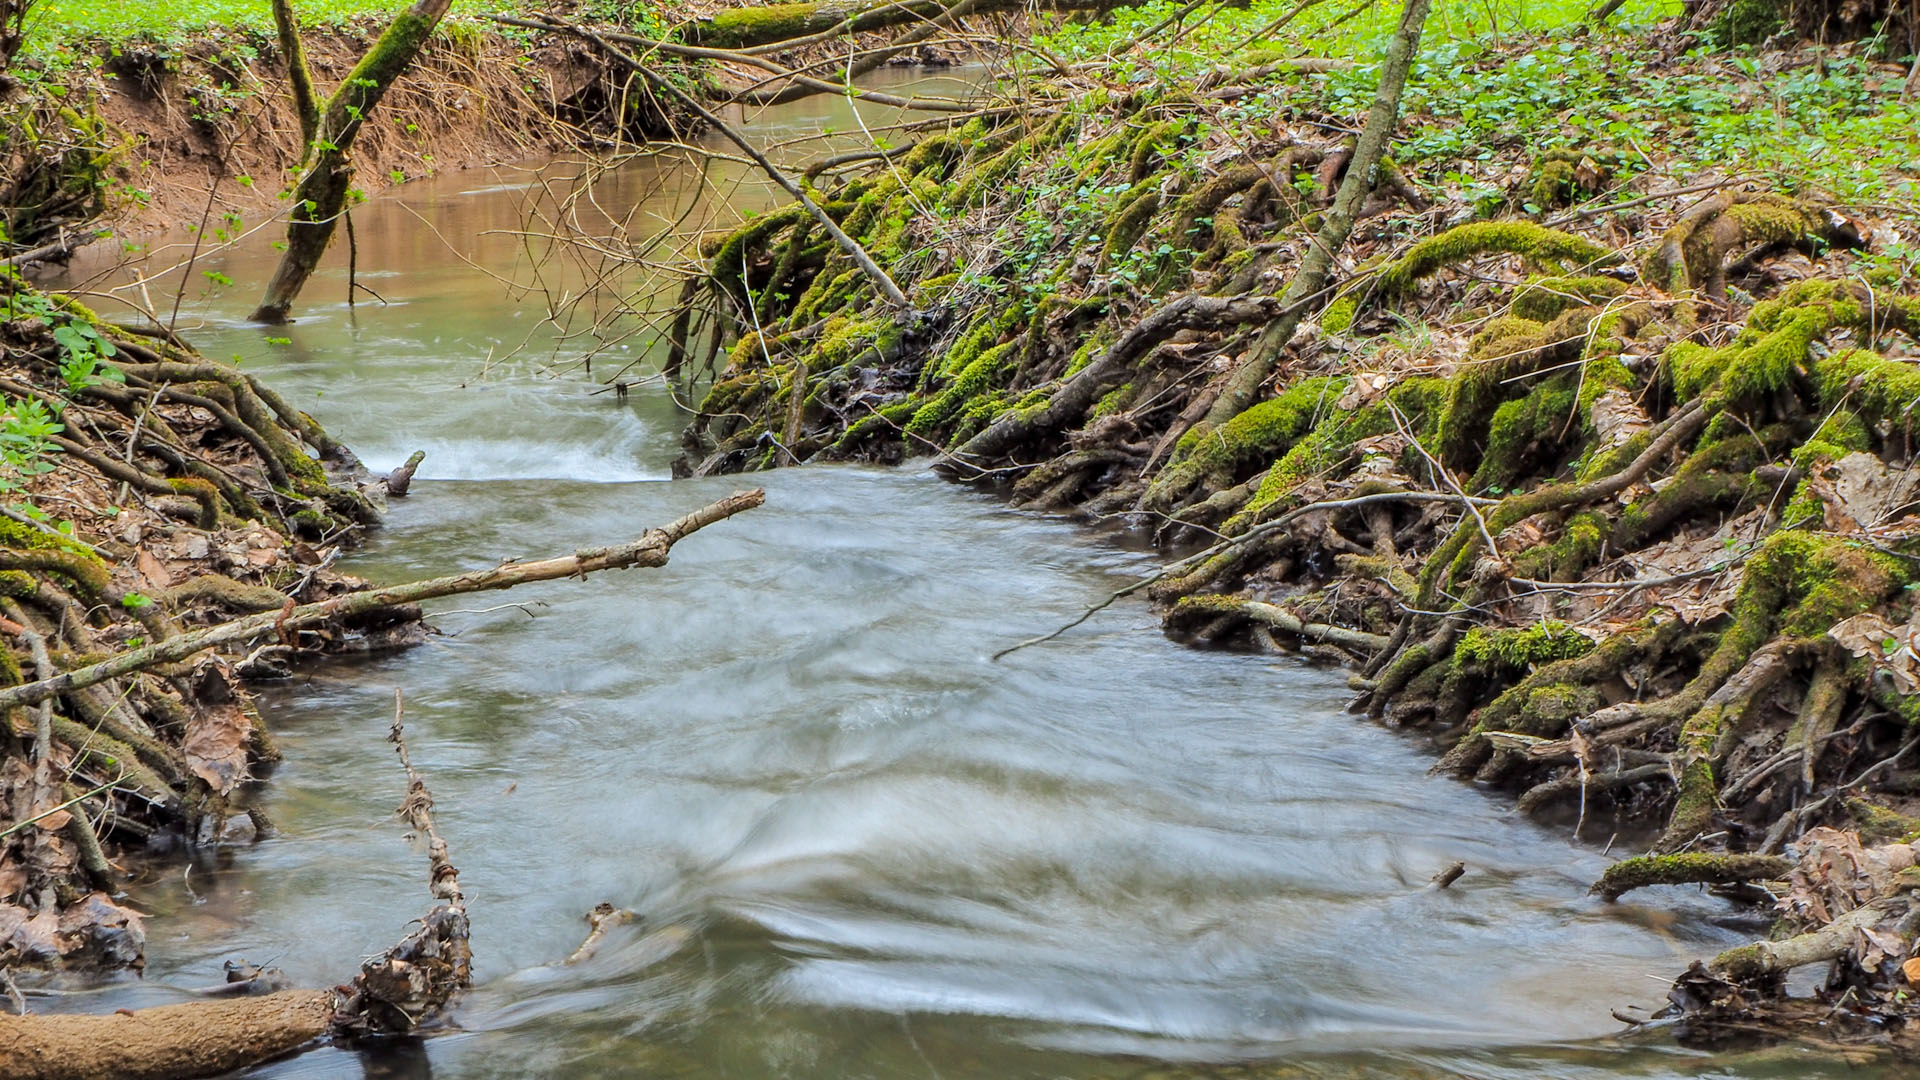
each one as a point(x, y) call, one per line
point(1693, 869)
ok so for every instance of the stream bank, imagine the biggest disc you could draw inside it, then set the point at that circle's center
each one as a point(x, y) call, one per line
point(1597, 466)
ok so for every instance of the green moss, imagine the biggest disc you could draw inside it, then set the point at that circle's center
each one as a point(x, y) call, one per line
point(1130, 222)
point(1806, 510)
point(1093, 346)
point(1541, 419)
point(1746, 22)
point(84, 569)
point(1877, 824)
point(976, 378)
point(1840, 434)
point(730, 255)
point(1522, 649)
point(1115, 400)
point(15, 534)
point(732, 28)
point(846, 340)
point(1553, 183)
point(1691, 868)
point(1147, 150)
point(1541, 246)
point(208, 496)
point(1699, 793)
point(1759, 362)
point(16, 584)
point(1837, 580)
point(884, 420)
point(1332, 439)
point(933, 289)
point(1542, 298)
point(1578, 545)
point(1265, 430)
point(1876, 388)
point(1338, 318)
point(1269, 427)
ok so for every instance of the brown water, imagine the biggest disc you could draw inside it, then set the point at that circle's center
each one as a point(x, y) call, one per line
point(858, 847)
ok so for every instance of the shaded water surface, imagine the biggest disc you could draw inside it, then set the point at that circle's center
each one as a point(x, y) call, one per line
point(858, 847)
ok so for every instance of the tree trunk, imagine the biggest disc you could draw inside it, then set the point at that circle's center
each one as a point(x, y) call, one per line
point(321, 196)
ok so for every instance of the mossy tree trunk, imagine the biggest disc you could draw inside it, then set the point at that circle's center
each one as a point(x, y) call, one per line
point(321, 197)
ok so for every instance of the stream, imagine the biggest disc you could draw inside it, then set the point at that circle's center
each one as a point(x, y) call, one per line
point(857, 847)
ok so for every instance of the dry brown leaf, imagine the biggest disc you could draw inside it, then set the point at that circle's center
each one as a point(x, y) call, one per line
point(1867, 492)
point(1889, 648)
point(1836, 875)
point(216, 746)
point(13, 878)
point(1618, 418)
point(1911, 969)
point(1707, 597)
point(32, 939)
point(107, 933)
point(153, 575)
point(217, 735)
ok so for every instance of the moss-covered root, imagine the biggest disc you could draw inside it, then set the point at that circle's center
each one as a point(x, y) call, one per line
point(1691, 258)
point(1696, 868)
point(1549, 249)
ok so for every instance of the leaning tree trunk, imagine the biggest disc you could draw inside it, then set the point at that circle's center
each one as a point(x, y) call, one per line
point(321, 197)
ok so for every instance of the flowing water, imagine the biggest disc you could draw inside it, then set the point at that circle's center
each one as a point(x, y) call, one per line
point(857, 846)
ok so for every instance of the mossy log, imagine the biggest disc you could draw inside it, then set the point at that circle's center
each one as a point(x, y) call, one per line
point(1694, 868)
point(782, 24)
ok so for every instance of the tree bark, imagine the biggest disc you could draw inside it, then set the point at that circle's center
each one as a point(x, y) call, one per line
point(321, 196)
point(299, 77)
point(171, 1042)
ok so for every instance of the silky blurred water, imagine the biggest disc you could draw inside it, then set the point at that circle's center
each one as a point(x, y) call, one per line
point(856, 845)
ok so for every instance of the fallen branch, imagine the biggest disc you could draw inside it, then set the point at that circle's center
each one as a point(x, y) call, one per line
point(651, 549)
point(602, 918)
point(1254, 533)
point(1765, 959)
point(1696, 868)
point(402, 478)
point(197, 1038)
point(1281, 619)
point(413, 981)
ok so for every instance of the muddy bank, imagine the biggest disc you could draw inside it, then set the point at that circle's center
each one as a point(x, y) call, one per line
point(174, 124)
point(141, 138)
